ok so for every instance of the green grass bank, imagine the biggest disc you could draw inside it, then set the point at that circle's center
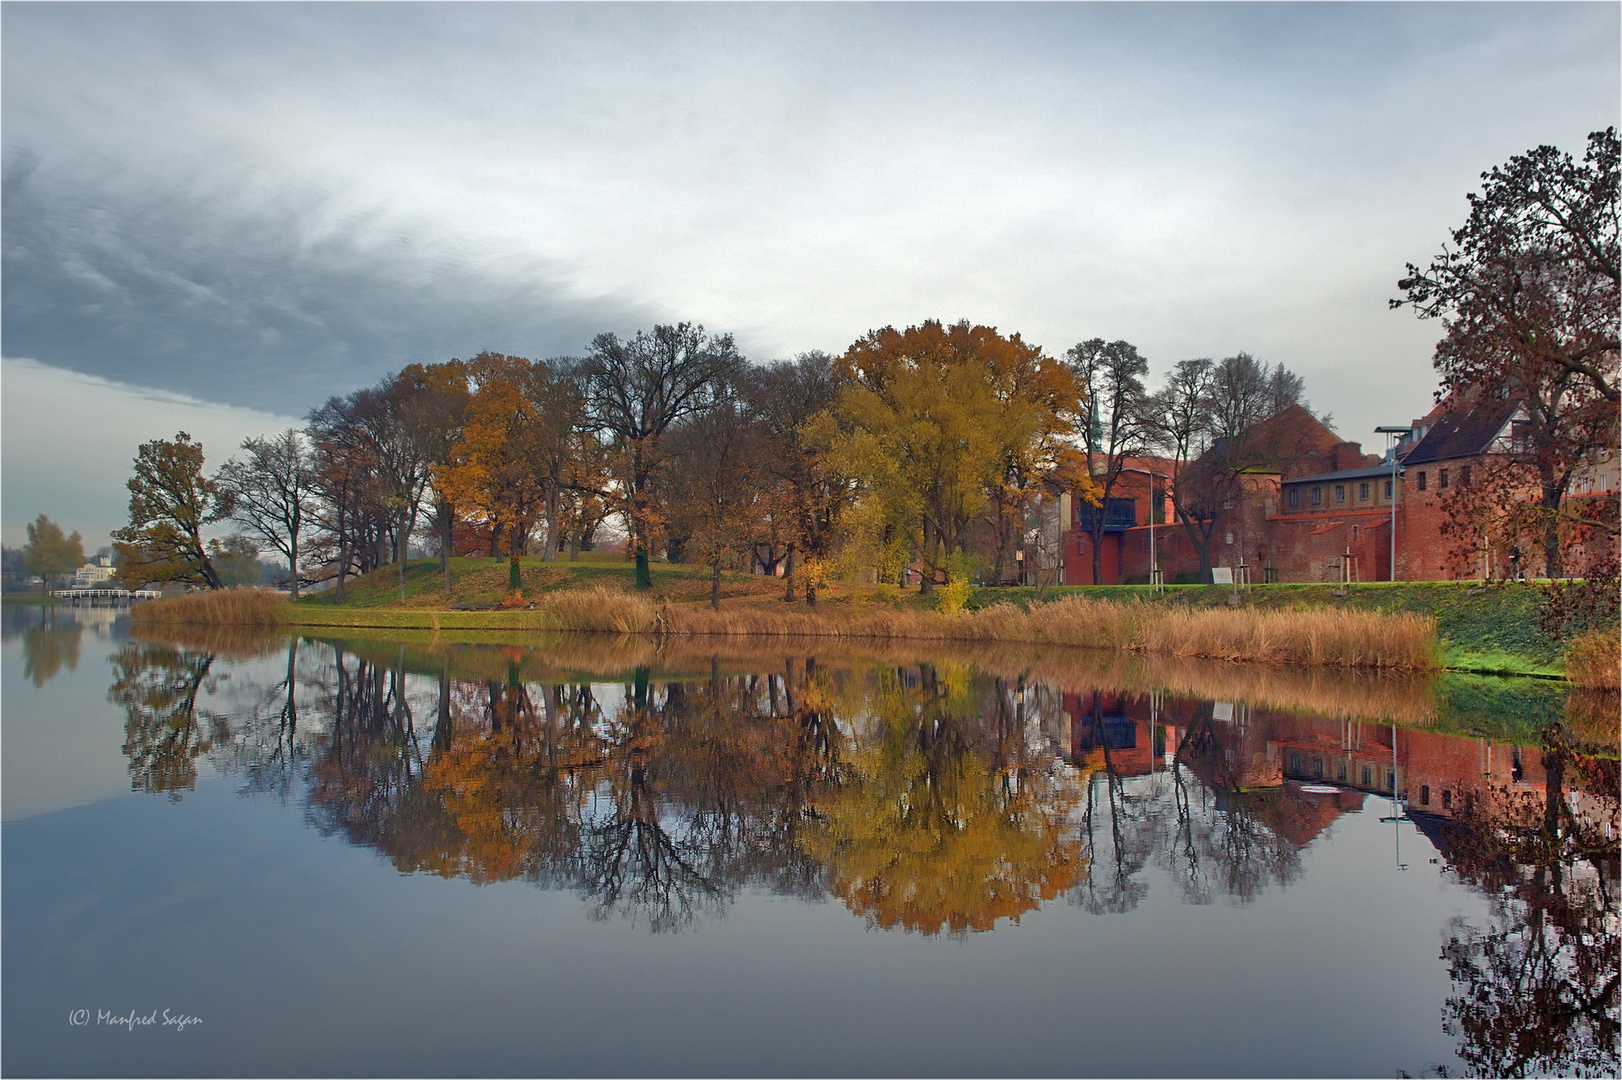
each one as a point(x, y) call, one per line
point(1483, 629)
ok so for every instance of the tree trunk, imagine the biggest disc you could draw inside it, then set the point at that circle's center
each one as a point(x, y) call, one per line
point(644, 576)
point(292, 561)
point(343, 562)
point(715, 585)
point(447, 523)
point(551, 524)
point(515, 574)
point(926, 564)
point(1552, 560)
point(1097, 533)
point(788, 576)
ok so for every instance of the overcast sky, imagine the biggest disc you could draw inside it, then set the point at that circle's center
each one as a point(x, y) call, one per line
point(256, 207)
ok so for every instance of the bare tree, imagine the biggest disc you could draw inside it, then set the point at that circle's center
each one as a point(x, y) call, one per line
point(1111, 375)
point(271, 490)
point(636, 390)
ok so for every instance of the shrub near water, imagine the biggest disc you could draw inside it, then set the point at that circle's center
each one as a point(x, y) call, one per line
point(1594, 660)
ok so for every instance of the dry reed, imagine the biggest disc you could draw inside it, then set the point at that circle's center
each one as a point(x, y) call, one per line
point(221, 607)
point(1594, 661)
point(1320, 638)
point(1313, 638)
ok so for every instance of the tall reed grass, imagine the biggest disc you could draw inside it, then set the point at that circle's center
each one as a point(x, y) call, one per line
point(1594, 661)
point(220, 607)
point(1311, 638)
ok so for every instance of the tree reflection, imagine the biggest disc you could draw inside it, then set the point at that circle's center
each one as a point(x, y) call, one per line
point(1536, 989)
point(48, 648)
point(945, 825)
point(164, 731)
point(1230, 837)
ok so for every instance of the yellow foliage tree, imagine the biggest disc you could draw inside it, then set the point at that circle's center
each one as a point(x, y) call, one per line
point(936, 423)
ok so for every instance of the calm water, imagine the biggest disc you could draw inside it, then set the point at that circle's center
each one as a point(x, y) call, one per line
point(587, 857)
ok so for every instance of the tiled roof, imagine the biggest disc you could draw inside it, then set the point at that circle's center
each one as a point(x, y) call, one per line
point(1462, 434)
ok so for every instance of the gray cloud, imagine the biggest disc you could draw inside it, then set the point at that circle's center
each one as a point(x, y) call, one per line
point(266, 204)
point(174, 290)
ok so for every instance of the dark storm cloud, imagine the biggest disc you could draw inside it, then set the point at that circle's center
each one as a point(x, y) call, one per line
point(170, 289)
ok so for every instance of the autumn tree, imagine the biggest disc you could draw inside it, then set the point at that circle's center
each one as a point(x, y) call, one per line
point(713, 484)
point(270, 491)
point(1528, 297)
point(933, 422)
point(1111, 375)
point(438, 404)
point(635, 390)
point(806, 496)
point(171, 503)
point(500, 466)
point(49, 553)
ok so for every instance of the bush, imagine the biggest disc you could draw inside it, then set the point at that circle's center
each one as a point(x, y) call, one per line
point(1594, 661)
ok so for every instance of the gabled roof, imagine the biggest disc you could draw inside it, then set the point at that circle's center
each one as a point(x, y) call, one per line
point(1462, 433)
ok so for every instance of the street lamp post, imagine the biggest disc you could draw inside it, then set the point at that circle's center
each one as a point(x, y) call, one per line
point(1391, 451)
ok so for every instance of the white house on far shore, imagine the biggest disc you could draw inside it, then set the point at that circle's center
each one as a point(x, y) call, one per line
point(92, 574)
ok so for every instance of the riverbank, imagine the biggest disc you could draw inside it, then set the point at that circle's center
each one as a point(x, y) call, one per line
point(1479, 629)
point(1305, 638)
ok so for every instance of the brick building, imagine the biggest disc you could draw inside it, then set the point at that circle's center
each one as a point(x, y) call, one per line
point(1309, 506)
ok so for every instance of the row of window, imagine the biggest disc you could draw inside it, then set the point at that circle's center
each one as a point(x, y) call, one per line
point(1296, 768)
point(1442, 478)
point(1317, 494)
point(1421, 482)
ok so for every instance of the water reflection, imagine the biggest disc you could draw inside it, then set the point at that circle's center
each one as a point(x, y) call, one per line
point(1536, 988)
point(939, 797)
point(52, 636)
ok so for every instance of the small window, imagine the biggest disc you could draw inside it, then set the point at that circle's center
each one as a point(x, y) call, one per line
point(1421, 481)
point(1441, 478)
point(1317, 768)
point(1388, 489)
point(1340, 493)
point(1464, 476)
point(1340, 772)
point(1356, 532)
point(1295, 499)
point(1391, 781)
point(1317, 496)
point(1363, 492)
point(1424, 794)
point(1447, 799)
point(1368, 777)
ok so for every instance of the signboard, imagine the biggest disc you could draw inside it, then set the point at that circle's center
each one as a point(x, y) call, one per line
point(1222, 575)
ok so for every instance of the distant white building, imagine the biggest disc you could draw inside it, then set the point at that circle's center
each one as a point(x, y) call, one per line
point(92, 574)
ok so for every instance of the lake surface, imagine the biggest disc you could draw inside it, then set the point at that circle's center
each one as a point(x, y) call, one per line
point(233, 855)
